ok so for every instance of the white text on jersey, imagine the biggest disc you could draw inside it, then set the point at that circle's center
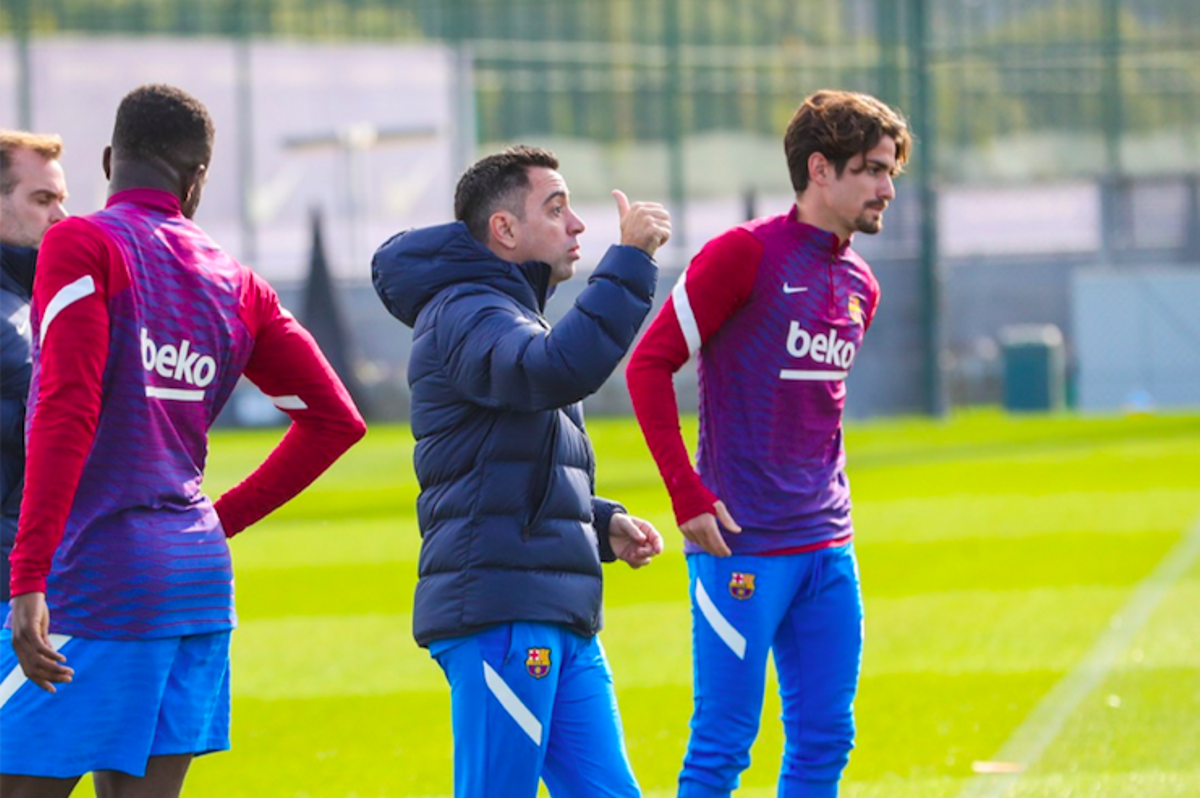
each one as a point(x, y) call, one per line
point(822, 347)
point(177, 363)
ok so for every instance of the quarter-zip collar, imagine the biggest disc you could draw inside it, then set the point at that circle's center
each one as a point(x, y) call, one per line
point(832, 250)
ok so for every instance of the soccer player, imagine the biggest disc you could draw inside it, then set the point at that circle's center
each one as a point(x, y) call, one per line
point(777, 309)
point(509, 596)
point(121, 579)
point(33, 191)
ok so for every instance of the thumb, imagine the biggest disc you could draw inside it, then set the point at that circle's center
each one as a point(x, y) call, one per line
point(725, 518)
point(622, 202)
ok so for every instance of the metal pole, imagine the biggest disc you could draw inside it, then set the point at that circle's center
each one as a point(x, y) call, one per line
point(1110, 183)
point(465, 133)
point(887, 31)
point(925, 129)
point(245, 133)
point(676, 177)
point(21, 26)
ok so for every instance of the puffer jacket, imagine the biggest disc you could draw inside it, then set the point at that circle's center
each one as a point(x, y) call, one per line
point(510, 527)
point(16, 288)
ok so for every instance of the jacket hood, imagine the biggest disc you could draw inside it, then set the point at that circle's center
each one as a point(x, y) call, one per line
point(414, 266)
point(17, 264)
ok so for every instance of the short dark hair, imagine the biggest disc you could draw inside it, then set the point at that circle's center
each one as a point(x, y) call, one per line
point(841, 125)
point(495, 182)
point(159, 121)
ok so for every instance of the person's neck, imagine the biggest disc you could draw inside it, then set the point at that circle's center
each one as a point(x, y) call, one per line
point(811, 212)
point(131, 175)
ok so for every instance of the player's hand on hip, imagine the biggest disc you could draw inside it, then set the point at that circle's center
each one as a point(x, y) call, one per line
point(645, 225)
point(704, 532)
point(635, 541)
point(30, 621)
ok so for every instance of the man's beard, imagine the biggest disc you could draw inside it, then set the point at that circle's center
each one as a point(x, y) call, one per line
point(867, 224)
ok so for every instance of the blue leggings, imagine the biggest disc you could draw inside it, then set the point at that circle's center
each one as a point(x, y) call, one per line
point(534, 701)
point(807, 610)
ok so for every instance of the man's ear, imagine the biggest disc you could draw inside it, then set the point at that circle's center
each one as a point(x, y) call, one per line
point(820, 170)
point(106, 162)
point(191, 181)
point(502, 229)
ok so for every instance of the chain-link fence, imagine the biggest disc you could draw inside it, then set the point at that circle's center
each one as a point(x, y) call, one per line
point(1053, 135)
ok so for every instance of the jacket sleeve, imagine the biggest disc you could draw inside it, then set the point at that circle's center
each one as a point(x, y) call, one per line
point(602, 512)
point(498, 355)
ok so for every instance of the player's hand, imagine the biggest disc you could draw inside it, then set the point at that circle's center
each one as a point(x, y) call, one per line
point(645, 225)
point(30, 621)
point(634, 540)
point(704, 532)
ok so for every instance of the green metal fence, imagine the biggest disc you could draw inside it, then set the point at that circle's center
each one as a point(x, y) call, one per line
point(1086, 80)
point(996, 90)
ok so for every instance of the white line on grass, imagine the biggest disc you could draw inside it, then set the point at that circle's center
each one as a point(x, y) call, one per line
point(1042, 725)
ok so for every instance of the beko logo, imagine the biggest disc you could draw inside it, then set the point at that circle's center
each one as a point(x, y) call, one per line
point(822, 347)
point(177, 363)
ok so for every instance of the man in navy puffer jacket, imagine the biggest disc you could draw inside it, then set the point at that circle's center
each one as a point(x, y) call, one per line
point(509, 595)
point(33, 191)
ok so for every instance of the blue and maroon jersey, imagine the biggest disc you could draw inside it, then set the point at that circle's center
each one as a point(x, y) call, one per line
point(777, 310)
point(142, 327)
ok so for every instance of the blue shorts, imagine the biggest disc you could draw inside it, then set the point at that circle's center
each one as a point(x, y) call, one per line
point(530, 702)
point(128, 701)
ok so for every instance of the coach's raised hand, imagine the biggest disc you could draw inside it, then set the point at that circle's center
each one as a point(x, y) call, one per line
point(645, 225)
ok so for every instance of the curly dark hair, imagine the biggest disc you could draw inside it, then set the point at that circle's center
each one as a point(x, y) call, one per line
point(495, 182)
point(160, 121)
point(841, 125)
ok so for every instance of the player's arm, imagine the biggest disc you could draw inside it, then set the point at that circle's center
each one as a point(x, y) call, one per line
point(78, 269)
point(498, 356)
point(715, 286)
point(288, 367)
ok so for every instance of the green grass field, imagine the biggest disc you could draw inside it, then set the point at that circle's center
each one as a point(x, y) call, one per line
point(1000, 557)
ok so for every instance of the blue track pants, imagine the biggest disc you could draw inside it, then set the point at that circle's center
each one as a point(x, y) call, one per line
point(534, 701)
point(806, 610)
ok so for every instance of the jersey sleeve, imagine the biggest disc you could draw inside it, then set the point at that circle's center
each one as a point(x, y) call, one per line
point(288, 366)
point(715, 286)
point(78, 269)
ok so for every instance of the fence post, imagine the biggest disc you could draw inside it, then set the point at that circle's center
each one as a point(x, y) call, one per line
point(924, 126)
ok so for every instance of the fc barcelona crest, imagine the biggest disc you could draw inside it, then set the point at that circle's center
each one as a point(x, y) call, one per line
point(538, 662)
point(741, 586)
point(854, 309)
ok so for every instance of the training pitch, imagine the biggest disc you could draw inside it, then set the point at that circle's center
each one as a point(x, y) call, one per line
point(1031, 590)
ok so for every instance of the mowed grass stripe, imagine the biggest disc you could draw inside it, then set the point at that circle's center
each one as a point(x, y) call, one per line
point(1040, 728)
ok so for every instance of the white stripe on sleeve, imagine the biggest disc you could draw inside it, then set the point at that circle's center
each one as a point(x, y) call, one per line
point(684, 315)
point(288, 402)
point(68, 294)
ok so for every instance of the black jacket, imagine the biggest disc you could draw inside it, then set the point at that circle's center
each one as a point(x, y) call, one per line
point(16, 289)
point(511, 530)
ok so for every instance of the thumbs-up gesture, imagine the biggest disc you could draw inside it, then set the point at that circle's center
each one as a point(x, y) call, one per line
point(645, 225)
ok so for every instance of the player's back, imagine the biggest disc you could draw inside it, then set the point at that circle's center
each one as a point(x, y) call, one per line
point(143, 554)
